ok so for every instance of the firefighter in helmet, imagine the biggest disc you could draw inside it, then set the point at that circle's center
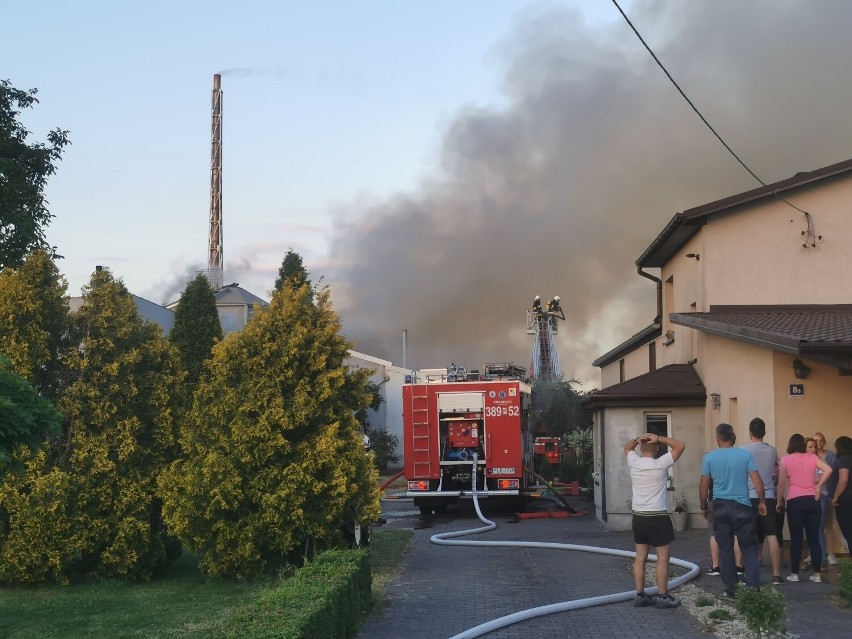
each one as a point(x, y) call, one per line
point(537, 305)
point(555, 311)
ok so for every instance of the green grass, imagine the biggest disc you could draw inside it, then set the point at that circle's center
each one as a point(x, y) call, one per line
point(386, 552)
point(720, 614)
point(181, 603)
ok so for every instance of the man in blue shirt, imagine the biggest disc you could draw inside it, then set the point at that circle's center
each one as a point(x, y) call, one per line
point(729, 469)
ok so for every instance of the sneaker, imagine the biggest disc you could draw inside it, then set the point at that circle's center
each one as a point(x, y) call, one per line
point(713, 571)
point(740, 571)
point(641, 600)
point(729, 595)
point(832, 559)
point(806, 561)
point(792, 577)
point(667, 601)
point(777, 581)
point(816, 578)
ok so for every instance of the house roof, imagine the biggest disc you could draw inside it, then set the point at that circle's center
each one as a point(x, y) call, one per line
point(148, 311)
point(683, 226)
point(820, 331)
point(673, 385)
point(234, 294)
point(641, 338)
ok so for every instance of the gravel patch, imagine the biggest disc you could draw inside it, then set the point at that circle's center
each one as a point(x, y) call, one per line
point(691, 595)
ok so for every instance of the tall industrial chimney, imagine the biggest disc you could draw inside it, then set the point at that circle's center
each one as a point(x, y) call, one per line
point(215, 265)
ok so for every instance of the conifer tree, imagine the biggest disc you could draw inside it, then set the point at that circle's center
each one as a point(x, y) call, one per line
point(196, 328)
point(86, 505)
point(34, 321)
point(273, 462)
point(121, 414)
point(292, 271)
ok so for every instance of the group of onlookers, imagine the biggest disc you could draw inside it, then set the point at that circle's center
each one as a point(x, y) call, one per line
point(810, 484)
point(745, 492)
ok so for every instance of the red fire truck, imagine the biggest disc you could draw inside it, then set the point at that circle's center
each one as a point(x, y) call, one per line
point(451, 417)
point(551, 448)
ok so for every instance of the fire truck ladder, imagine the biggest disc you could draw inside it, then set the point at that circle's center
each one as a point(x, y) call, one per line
point(545, 358)
point(421, 441)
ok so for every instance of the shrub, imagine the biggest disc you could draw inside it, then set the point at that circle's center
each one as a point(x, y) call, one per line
point(329, 597)
point(763, 609)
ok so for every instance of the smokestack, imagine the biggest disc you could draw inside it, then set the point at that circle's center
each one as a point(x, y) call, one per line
point(405, 349)
point(215, 265)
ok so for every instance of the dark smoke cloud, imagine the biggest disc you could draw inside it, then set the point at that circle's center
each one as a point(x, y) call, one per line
point(561, 191)
point(169, 290)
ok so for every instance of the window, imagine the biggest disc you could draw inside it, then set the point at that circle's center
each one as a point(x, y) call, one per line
point(621, 370)
point(658, 424)
point(652, 357)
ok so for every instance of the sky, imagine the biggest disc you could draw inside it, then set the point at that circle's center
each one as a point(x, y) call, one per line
point(436, 164)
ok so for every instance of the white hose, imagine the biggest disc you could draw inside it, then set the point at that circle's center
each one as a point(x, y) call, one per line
point(445, 539)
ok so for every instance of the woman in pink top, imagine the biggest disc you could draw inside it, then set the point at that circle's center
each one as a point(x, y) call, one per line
point(800, 491)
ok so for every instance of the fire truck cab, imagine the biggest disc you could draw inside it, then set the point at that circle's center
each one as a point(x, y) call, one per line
point(457, 426)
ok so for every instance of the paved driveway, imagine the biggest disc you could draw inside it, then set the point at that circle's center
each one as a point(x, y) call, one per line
point(443, 591)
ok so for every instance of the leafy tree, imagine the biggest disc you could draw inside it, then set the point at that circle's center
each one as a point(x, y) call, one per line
point(34, 321)
point(273, 461)
point(87, 506)
point(383, 444)
point(25, 416)
point(196, 328)
point(556, 408)
point(24, 169)
point(292, 272)
point(546, 469)
point(580, 440)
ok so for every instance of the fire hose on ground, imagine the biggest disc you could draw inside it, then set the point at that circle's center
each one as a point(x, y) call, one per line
point(448, 539)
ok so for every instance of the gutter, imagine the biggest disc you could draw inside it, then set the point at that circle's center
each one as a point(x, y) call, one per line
point(659, 282)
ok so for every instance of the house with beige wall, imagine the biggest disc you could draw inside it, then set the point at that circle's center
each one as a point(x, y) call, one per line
point(754, 319)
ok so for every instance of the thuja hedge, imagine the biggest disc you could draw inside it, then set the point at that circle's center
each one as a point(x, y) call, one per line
point(329, 597)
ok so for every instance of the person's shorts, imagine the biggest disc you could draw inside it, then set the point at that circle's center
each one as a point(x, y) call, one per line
point(768, 524)
point(654, 530)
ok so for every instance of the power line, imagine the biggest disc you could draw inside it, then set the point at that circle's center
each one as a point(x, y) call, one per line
point(707, 124)
point(685, 97)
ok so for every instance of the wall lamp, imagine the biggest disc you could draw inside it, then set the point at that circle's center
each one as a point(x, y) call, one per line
point(715, 401)
point(695, 256)
point(800, 370)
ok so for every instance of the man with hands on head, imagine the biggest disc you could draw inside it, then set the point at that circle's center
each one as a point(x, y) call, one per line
point(652, 525)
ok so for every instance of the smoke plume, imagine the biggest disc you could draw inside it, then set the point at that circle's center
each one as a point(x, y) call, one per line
point(561, 190)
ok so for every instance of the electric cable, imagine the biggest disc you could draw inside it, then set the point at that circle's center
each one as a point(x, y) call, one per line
point(810, 234)
point(447, 539)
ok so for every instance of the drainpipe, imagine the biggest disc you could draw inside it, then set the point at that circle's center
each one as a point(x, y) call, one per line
point(659, 318)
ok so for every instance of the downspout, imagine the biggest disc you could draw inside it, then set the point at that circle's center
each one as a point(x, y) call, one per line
point(659, 282)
